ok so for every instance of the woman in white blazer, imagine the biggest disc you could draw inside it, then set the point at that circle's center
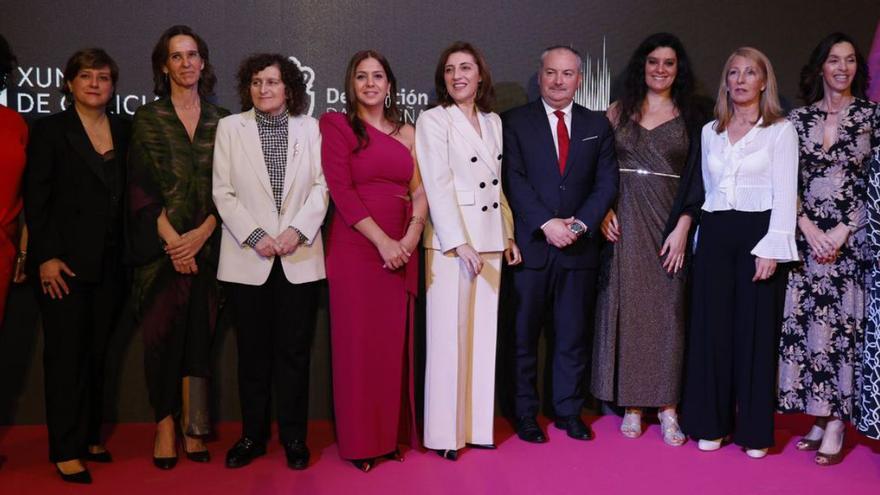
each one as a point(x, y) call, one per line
point(270, 192)
point(458, 146)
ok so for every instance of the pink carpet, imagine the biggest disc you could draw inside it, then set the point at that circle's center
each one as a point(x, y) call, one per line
point(610, 464)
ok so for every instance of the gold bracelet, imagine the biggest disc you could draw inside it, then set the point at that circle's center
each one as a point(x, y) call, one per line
point(416, 219)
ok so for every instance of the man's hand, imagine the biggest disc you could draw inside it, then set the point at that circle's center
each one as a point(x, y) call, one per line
point(557, 232)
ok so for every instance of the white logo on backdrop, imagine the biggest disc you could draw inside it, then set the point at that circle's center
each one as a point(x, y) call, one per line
point(309, 78)
point(595, 90)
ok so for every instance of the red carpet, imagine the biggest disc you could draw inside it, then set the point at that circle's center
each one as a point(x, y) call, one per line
point(610, 464)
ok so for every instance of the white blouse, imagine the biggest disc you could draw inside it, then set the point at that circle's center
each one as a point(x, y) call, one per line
point(757, 173)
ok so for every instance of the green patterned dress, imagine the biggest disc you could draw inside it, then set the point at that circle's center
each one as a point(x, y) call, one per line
point(175, 313)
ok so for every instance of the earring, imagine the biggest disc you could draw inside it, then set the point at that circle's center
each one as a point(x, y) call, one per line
point(388, 100)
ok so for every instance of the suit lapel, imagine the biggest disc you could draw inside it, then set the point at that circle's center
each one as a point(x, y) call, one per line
point(79, 141)
point(544, 134)
point(295, 141)
point(250, 138)
point(464, 128)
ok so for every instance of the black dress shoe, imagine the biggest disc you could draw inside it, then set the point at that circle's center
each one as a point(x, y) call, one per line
point(243, 452)
point(83, 477)
point(527, 429)
point(98, 456)
point(574, 427)
point(449, 455)
point(297, 454)
point(485, 446)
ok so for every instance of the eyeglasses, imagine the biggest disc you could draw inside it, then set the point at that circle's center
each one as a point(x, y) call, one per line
point(269, 83)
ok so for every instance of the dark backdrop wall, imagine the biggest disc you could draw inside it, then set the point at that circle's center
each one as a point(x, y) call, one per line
point(322, 35)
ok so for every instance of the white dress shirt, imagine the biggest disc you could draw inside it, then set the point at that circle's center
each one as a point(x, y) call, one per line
point(553, 119)
point(757, 173)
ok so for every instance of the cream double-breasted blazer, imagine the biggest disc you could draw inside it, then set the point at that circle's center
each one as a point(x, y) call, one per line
point(243, 196)
point(461, 173)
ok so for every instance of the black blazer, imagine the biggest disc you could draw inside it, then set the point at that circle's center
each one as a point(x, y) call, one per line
point(537, 191)
point(70, 207)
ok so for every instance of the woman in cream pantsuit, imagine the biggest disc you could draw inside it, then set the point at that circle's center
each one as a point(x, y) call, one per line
point(458, 146)
point(270, 191)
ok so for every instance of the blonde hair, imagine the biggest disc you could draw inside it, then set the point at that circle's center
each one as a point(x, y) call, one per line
point(769, 108)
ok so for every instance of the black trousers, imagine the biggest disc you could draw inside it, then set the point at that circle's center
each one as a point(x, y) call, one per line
point(569, 297)
point(275, 324)
point(76, 330)
point(730, 369)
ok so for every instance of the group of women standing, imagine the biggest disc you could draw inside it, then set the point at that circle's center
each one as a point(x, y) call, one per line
point(189, 194)
point(770, 195)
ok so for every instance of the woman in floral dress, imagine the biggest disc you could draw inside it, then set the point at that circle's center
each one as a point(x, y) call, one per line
point(821, 342)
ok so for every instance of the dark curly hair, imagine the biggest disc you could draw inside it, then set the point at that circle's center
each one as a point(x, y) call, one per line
point(811, 85)
point(634, 89)
point(7, 62)
point(485, 98)
point(392, 113)
point(291, 76)
point(88, 58)
point(161, 83)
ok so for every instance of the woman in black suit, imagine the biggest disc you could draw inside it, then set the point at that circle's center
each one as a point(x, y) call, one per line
point(75, 177)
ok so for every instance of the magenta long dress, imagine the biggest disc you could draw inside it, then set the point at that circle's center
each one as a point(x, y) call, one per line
point(371, 308)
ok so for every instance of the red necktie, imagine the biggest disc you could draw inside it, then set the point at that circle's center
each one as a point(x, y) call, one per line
point(562, 138)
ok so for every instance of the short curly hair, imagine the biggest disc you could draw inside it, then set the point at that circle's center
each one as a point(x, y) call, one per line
point(294, 81)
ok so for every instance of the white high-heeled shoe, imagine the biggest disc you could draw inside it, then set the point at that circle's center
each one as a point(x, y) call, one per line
point(672, 434)
point(631, 427)
point(709, 445)
point(756, 453)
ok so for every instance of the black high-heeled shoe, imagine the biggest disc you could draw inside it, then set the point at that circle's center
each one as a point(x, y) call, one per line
point(165, 463)
point(484, 446)
point(364, 465)
point(103, 457)
point(450, 455)
point(394, 456)
point(83, 477)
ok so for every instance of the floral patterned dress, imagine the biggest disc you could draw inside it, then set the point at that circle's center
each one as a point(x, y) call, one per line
point(869, 399)
point(821, 343)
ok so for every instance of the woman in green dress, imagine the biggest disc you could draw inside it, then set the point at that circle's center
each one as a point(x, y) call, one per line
point(173, 238)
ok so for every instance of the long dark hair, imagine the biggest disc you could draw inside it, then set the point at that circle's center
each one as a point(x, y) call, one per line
point(392, 114)
point(485, 97)
point(811, 85)
point(634, 89)
point(161, 83)
point(7, 62)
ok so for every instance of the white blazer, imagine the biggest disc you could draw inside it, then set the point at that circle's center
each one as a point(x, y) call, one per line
point(243, 196)
point(461, 173)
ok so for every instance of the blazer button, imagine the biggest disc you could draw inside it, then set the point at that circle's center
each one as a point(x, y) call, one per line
point(473, 159)
point(499, 157)
point(482, 185)
point(562, 188)
point(485, 208)
point(494, 205)
point(494, 182)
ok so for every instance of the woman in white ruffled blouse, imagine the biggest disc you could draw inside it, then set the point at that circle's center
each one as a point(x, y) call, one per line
point(750, 159)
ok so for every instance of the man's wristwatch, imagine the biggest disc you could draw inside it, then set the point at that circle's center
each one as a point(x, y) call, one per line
point(577, 228)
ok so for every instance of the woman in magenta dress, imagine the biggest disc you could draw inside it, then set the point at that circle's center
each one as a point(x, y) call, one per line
point(372, 263)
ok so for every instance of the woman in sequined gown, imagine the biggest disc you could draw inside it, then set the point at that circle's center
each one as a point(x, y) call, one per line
point(639, 338)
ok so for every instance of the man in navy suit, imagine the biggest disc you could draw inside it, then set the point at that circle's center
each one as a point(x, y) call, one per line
point(561, 178)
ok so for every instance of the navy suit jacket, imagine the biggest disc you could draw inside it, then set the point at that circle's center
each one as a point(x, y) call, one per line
point(538, 192)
